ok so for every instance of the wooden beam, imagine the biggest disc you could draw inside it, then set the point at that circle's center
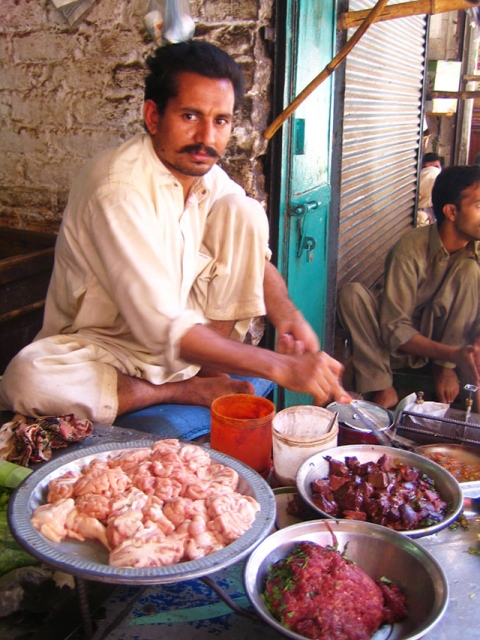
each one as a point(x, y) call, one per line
point(404, 9)
point(363, 19)
point(457, 95)
point(327, 71)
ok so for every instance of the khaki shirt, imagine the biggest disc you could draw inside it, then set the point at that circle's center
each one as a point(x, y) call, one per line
point(414, 270)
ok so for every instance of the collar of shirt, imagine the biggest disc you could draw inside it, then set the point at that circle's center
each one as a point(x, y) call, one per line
point(435, 247)
point(475, 249)
point(199, 190)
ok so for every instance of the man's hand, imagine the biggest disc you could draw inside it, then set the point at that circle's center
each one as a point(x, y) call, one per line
point(468, 361)
point(476, 355)
point(296, 336)
point(447, 385)
point(316, 374)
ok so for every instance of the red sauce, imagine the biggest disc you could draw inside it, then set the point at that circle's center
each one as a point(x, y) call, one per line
point(462, 471)
point(241, 427)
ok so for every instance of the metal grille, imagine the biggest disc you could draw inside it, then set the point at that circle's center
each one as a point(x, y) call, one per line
point(424, 429)
point(381, 137)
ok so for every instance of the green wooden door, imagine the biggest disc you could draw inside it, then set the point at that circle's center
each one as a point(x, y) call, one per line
point(306, 149)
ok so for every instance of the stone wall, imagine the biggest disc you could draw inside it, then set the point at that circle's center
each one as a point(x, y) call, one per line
point(67, 92)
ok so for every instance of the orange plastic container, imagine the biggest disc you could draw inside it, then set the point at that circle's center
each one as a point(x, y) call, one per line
point(241, 427)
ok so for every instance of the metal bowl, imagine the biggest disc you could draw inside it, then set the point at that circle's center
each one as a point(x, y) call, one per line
point(458, 452)
point(89, 559)
point(380, 552)
point(352, 429)
point(318, 467)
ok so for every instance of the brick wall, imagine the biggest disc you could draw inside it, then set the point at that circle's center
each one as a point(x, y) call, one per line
point(69, 92)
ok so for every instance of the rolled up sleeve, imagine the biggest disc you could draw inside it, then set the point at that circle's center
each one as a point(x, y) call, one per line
point(397, 308)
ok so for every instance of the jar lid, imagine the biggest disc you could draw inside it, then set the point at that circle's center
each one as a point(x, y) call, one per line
point(382, 418)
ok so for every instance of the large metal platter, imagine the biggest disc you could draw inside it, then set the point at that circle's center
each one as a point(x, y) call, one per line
point(380, 552)
point(89, 559)
point(450, 549)
point(318, 467)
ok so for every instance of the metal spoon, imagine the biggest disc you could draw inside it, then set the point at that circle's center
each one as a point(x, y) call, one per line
point(381, 437)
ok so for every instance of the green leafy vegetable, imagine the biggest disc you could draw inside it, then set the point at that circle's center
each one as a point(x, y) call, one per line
point(12, 556)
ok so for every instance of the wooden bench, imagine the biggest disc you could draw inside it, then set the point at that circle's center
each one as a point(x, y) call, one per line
point(26, 262)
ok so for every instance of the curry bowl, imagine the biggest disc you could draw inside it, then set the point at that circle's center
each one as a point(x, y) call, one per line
point(462, 461)
point(379, 551)
point(317, 467)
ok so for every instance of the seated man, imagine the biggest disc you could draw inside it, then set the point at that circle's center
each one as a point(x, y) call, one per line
point(431, 167)
point(429, 309)
point(161, 259)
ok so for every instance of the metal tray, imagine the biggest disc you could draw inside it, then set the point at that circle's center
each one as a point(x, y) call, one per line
point(450, 428)
point(89, 559)
point(459, 451)
point(450, 549)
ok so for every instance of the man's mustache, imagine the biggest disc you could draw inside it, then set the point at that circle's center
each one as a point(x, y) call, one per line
point(198, 148)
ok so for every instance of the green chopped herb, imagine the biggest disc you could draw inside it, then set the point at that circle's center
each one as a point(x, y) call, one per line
point(473, 551)
point(427, 522)
point(461, 521)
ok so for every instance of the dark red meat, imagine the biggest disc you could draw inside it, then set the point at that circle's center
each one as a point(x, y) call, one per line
point(386, 492)
point(317, 593)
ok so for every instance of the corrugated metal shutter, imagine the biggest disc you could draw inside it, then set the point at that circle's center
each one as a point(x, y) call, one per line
point(381, 137)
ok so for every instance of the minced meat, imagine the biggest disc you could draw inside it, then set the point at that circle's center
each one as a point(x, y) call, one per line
point(319, 594)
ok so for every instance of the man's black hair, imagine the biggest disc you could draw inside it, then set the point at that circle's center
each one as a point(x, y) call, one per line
point(431, 157)
point(197, 57)
point(449, 186)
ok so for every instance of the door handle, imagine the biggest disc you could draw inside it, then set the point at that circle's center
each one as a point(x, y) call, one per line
point(301, 210)
point(305, 243)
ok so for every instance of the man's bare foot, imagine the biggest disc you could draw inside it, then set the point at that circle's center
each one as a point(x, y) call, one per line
point(447, 386)
point(135, 394)
point(386, 398)
point(203, 391)
point(205, 372)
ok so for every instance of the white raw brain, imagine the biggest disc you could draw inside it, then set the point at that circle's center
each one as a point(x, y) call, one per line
point(150, 507)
